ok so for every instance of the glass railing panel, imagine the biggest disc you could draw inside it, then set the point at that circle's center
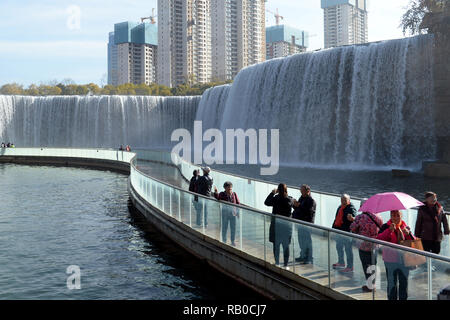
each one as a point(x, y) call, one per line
point(249, 229)
point(279, 249)
point(440, 279)
point(189, 203)
point(261, 191)
point(212, 218)
point(268, 250)
point(230, 232)
point(310, 253)
point(328, 207)
point(177, 205)
point(200, 216)
point(403, 275)
point(347, 273)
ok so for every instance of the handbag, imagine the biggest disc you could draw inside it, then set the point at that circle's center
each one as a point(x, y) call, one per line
point(412, 259)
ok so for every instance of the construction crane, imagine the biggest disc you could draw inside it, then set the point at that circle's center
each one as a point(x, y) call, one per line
point(151, 18)
point(276, 15)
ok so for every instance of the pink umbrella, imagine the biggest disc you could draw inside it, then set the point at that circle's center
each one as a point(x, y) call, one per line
point(388, 201)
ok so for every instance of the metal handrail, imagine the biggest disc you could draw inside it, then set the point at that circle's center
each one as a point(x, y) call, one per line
point(65, 148)
point(266, 181)
point(314, 226)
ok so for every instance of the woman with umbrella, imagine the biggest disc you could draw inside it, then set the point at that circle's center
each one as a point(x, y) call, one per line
point(394, 231)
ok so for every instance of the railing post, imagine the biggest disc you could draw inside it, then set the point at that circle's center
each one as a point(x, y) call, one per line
point(179, 206)
point(329, 260)
point(191, 203)
point(374, 258)
point(170, 201)
point(156, 195)
point(265, 258)
point(430, 279)
point(293, 246)
point(240, 230)
point(203, 215)
point(162, 198)
point(221, 236)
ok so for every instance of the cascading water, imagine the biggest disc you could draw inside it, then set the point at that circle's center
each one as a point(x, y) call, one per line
point(104, 121)
point(366, 106)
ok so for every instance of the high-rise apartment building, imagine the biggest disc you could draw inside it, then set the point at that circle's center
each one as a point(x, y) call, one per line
point(345, 22)
point(283, 41)
point(237, 36)
point(113, 72)
point(184, 38)
point(132, 53)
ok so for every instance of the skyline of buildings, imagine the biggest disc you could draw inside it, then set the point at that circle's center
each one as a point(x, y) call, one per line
point(200, 41)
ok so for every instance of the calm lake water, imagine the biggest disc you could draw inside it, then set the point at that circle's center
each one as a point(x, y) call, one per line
point(54, 217)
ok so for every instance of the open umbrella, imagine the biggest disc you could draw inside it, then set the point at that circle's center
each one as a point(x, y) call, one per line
point(388, 201)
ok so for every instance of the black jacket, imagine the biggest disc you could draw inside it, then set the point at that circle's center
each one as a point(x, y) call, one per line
point(279, 229)
point(204, 185)
point(193, 184)
point(350, 209)
point(281, 205)
point(307, 209)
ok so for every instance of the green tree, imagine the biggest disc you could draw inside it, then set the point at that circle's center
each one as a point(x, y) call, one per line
point(109, 90)
point(47, 90)
point(143, 90)
point(94, 89)
point(12, 89)
point(164, 91)
point(432, 16)
point(126, 89)
point(70, 90)
point(32, 90)
point(82, 90)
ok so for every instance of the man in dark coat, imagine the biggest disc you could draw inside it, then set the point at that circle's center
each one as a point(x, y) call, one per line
point(305, 210)
point(204, 186)
point(345, 215)
point(430, 221)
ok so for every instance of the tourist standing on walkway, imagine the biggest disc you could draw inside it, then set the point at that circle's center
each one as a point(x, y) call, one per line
point(280, 232)
point(193, 181)
point(3, 145)
point(229, 213)
point(305, 210)
point(344, 217)
point(204, 186)
point(394, 231)
point(430, 221)
point(368, 225)
point(193, 188)
point(128, 148)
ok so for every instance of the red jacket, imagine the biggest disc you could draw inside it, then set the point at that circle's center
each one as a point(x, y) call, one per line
point(390, 254)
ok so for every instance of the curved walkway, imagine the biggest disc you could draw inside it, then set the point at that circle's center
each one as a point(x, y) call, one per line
point(160, 193)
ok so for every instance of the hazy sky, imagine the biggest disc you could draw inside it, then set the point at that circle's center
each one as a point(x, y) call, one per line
point(43, 40)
